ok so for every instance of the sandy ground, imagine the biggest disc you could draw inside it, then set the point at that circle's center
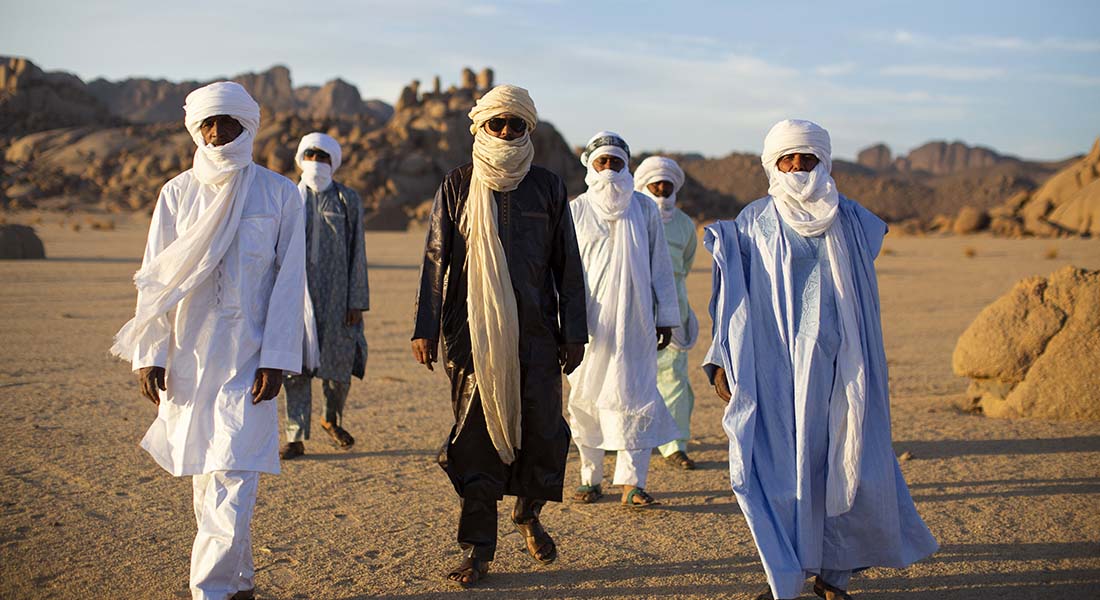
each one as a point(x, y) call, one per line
point(84, 513)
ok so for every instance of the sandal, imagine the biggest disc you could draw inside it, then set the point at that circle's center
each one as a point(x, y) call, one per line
point(588, 494)
point(244, 595)
point(540, 545)
point(681, 459)
point(292, 450)
point(471, 571)
point(647, 500)
point(824, 590)
point(342, 438)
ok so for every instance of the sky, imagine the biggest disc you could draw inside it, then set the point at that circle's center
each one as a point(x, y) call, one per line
point(1022, 77)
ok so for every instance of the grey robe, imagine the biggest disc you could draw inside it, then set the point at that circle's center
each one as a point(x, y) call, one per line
point(336, 270)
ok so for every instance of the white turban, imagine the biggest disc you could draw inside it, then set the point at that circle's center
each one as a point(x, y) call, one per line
point(796, 136)
point(319, 141)
point(213, 164)
point(504, 99)
point(605, 142)
point(658, 168)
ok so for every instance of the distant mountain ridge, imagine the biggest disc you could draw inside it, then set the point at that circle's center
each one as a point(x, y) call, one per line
point(69, 101)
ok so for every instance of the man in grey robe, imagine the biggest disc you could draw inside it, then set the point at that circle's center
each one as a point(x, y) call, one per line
point(336, 271)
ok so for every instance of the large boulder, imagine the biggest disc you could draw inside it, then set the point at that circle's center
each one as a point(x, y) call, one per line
point(20, 241)
point(1034, 351)
point(1066, 204)
point(970, 220)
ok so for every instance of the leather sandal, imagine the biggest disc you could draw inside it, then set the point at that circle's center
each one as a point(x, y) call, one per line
point(829, 592)
point(292, 450)
point(469, 572)
point(681, 460)
point(646, 500)
point(588, 494)
point(539, 544)
point(342, 438)
point(765, 595)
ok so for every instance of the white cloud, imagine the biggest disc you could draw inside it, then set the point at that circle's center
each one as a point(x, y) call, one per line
point(482, 10)
point(945, 72)
point(836, 69)
point(984, 43)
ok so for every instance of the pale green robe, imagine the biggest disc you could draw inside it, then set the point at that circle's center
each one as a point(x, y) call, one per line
point(672, 371)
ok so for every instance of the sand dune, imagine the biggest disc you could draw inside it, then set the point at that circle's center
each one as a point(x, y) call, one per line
point(85, 513)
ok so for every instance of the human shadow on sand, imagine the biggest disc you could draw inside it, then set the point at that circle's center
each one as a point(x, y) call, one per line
point(956, 448)
point(340, 455)
point(603, 582)
point(997, 488)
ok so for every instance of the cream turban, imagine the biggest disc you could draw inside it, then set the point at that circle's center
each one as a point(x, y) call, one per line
point(658, 168)
point(605, 142)
point(504, 99)
point(795, 136)
point(220, 98)
point(320, 141)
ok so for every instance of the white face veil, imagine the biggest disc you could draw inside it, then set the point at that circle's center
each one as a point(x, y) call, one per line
point(807, 202)
point(660, 168)
point(610, 191)
point(315, 174)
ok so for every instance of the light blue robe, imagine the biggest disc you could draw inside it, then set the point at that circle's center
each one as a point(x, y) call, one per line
point(777, 419)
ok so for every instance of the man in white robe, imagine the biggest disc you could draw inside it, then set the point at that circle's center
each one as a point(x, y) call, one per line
point(614, 403)
point(226, 253)
point(797, 353)
point(660, 178)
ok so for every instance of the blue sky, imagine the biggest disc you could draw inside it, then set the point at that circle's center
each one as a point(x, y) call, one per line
point(1021, 77)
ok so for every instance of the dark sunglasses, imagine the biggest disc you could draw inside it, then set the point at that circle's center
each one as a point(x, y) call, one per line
point(315, 153)
point(516, 124)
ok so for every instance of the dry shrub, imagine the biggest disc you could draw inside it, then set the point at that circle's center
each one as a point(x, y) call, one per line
point(970, 251)
point(102, 224)
point(1051, 253)
point(888, 252)
point(75, 226)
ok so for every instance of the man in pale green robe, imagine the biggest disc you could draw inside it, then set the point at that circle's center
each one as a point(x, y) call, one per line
point(660, 178)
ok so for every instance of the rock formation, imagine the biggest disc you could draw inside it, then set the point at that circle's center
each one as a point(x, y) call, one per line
point(1034, 351)
point(877, 157)
point(33, 100)
point(1067, 204)
point(941, 158)
point(20, 241)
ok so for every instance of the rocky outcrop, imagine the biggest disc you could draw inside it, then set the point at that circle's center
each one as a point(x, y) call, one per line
point(20, 241)
point(876, 158)
point(941, 158)
point(1034, 351)
point(395, 167)
point(33, 100)
point(1068, 204)
point(970, 220)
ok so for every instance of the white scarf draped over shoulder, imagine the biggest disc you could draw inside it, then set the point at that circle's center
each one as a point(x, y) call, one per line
point(224, 173)
point(810, 205)
point(498, 166)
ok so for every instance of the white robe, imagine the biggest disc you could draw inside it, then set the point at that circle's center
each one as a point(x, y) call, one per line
point(246, 315)
point(614, 403)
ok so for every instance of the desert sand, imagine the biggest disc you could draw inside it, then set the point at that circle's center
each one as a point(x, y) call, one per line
point(85, 513)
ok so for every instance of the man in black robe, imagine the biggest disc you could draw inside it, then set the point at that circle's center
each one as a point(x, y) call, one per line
point(502, 443)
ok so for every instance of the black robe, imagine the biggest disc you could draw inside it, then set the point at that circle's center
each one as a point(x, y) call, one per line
point(536, 231)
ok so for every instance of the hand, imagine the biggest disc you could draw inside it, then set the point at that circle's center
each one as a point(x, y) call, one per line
point(354, 316)
point(721, 386)
point(570, 356)
point(424, 351)
point(664, 337)
point(151, 379)
point(267, 385)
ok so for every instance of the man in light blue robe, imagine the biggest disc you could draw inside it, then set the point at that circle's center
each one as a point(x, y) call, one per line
point(797, 352)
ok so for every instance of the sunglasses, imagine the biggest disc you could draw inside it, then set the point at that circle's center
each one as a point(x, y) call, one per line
point(315, 153)
point(516, 124)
